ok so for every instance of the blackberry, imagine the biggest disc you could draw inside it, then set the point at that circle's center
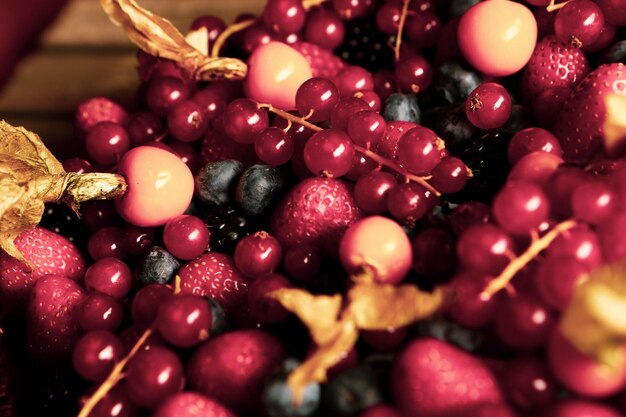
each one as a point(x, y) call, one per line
point(60, 219)
point(366, 46)
point(227, 225)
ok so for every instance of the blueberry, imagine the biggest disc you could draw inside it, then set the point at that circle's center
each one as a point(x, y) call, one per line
point(453, 83)
point(353, 390)
point(615, 53)
point(278, 396)
point(219, 323)
point(159, 266)
point(402, 107)
point(215, 180)
point(258, 189)
point(451, 125)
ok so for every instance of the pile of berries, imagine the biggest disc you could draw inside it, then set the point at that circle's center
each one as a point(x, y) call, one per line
point(452, 143)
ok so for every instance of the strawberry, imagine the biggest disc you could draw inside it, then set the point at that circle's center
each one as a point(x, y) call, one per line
point(431, 378)
point(99, 109)
point(552, 64)
point(214, 275)
point(323, 62)
point(52, 317)
point(48, 253)
point(579, 125)
point(315, 212)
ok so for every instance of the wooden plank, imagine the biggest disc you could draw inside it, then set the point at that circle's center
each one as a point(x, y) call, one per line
point(57, 132)
point(55, 81)
point(84, 23)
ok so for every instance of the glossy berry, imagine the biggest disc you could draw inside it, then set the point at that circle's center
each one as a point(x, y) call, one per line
point(523, 322)
point(184, 320)
point(164, 93)
point(157, 266)
point(484, 248)
point(106, 142)
point(520, 207)
point(352, 79)
point(262, 307)
point(144, 127)
point(258, 189)
point(161, 186)
point(384, 83)
point(243, 120)
point(450, 175)
point(138, 240)
point(366, 127)
point(472, 309)
point(316, 98)
point(528, 383)
point(418, 150)
point(408, 202)
point(98, 214)
point(488, 106)
point(211, 102)
point(301, 262)
point(96, 353)
point(423, 29)
point(329, 152)
point(284, 16)
point(579, 23)
point(413, 74)
point(380, 244)
point(146, 302)
point(275, 72)
point(583, 245)
point(186, 237)
point(212, 24)
point(257, 254)
point(388, 17)
point(351, 9)
point(530, 140)
point(100, 312)
point(594, 202)
point(97, 110)
point(107, 242)
point(324, 28)
point(556, 280)
point(115, 404)
point(344, 110)
point(187, 121)
point(153, 375)
point(469, 213)
point(109, 276)
point(497, 37)
point(274, 146)
point(371, 191)
point(216, 180)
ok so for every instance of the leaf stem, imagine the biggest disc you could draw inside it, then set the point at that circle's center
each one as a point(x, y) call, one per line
point(307, 4)
point(554, 7)
point(534, 249)
point(403, 14)
point(389, 163)
point(227, 33)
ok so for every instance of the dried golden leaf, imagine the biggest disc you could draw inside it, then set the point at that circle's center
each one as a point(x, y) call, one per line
point(381, 307)
point(319, 313)
point(595, 321)
point(315, 366)
point(335, 330)
point(615, 124)
point(31, 176)
point(159, 37)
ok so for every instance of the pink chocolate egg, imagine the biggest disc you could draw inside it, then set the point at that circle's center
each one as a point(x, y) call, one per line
point(160, 186)
point(275, 71)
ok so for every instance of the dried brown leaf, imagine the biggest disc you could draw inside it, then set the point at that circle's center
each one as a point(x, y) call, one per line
point(159, 37)
point(615, 124)
point(31, 176)
point(381, 307)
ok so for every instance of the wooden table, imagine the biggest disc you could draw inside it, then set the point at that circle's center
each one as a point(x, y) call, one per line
point(84, 55)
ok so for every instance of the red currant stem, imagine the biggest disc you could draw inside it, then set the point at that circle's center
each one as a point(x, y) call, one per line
point(405, 11)
point(362, 150)
point(114, 377)
point(534, 249)
point(552, 7)
point(117, 374)
point(230, 30)
point(307, 4)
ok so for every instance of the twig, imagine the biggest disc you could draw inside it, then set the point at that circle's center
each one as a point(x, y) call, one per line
point(534, 249)
point(554, 7)
point(362, 150)
point(307, 4)
point(227, 33)
point(403, 14)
